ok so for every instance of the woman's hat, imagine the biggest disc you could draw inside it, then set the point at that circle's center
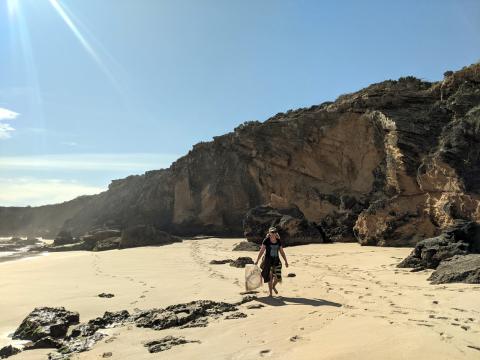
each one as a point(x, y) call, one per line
point(272, 229)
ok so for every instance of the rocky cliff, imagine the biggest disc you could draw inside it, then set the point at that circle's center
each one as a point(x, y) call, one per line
point(391, 164)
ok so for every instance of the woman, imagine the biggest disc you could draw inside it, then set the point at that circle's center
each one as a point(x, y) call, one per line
point(272, 266)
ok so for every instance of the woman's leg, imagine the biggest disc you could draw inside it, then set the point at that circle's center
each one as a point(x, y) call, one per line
point(270, 286)
point(274, 283)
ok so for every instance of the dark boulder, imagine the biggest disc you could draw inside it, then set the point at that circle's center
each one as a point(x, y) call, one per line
point(459, 239)
point(144, 235)
point(241, 262)
point(111, 243)
point(246, 246)
point(293, 227)
point(44, 322)
point(8, 351)
point(465, 269)
point(63, 238)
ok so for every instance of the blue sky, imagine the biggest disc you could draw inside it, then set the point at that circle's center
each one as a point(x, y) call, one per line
point(93, 90)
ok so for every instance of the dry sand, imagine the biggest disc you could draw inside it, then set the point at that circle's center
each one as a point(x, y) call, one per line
point(346, 302)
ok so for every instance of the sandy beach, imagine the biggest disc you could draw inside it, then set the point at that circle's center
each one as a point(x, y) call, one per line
point(345, 302)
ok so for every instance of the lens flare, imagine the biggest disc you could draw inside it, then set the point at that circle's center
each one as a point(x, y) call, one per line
point(73, 25)
point(12, 7)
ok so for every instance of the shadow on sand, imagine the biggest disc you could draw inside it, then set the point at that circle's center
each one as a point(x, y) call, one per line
point(283, 301)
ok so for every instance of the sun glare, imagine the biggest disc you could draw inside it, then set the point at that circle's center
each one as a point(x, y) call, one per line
point(12, 7)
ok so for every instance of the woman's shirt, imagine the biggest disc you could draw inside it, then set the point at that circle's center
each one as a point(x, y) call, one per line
point(272, 249)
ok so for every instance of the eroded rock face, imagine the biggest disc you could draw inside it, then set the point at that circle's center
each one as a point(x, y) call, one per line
point(391, 164)
point(291, 224)
point(459, 268)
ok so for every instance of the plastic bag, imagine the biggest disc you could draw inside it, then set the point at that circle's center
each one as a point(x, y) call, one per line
point(253, 277)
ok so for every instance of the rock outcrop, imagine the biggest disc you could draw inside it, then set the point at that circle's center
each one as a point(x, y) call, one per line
point(455, 254)
point(111, 239)
point(8, 351)
point(46, 322)
point(391, 164)
point(143, 235)
point(54, 327)
point(459, 268)
point(462, 238)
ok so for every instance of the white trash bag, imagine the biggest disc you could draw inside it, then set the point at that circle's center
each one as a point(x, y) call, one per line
point(253, 277)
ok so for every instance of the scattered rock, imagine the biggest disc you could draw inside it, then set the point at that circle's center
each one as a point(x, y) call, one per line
point(291, 275)
point(8, 351)
point(221, 262)
point(45, 322)
point(255, 306)
point(293, 227)
point(107, 355)
point(167, 343)
point(246, 246)
point(236, 315)
point(181, 314)
point(106, 295)
point(242, 261)
point(465, 269)
point(295, 338)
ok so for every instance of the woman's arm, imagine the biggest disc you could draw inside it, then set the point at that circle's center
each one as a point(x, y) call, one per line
point(260, 253)
point(283, 256)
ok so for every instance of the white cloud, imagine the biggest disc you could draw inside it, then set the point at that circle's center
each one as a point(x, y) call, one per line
point(35, 192)
point(6, 129)
point(6, 114)
point(136, 162)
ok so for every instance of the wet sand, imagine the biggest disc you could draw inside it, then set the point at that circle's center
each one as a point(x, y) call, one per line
point(345, 302)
